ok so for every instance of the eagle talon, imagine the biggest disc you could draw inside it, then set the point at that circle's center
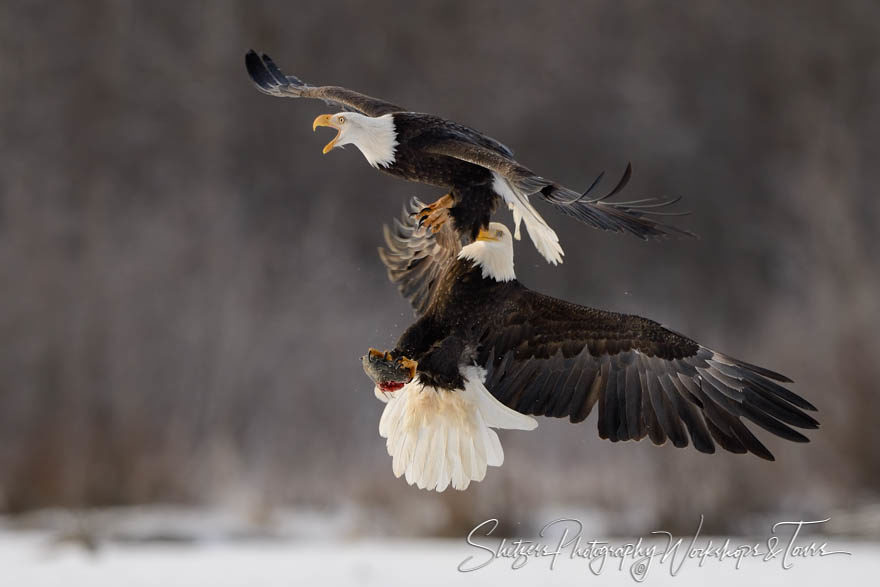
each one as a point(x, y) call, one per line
point(435, 214)
point(436, 220)
point(410, 365)
point(380, 355)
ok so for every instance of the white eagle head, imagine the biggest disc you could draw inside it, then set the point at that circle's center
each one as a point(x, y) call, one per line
point(374, 136)
point(493, 252)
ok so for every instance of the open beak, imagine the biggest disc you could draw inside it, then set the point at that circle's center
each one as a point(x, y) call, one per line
point(327, 120)
point(486, 235)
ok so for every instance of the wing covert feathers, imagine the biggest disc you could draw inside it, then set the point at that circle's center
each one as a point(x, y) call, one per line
point(546, 357)
point(269, 79)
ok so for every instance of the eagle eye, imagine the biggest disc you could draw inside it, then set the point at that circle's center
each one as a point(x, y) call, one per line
point(341, 119)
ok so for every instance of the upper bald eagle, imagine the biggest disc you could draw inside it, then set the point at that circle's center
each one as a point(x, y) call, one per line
point(476, 169)
point(487, 352)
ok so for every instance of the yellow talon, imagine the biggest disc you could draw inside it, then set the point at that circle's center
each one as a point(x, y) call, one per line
point(436, 212)
point(409, 364)
point(382, 355)
point(435, 221)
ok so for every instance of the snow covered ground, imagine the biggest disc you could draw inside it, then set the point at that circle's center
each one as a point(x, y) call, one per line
point(28, 559)
point(190, 548)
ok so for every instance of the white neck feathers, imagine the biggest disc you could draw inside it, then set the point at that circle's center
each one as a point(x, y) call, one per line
point(495, 258)
point(376, 138)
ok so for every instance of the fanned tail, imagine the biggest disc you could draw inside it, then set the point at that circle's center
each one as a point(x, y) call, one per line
point(439, 438)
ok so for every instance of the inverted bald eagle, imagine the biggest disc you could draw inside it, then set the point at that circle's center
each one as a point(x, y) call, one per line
point(476, 169)
point(487, 352)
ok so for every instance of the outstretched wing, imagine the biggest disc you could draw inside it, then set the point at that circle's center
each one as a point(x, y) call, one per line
point(271, 80)
point(552, 358)
point(634, 217)
point(417, 258)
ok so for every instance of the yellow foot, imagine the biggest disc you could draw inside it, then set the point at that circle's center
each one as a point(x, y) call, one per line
point(436, 212)
point(435, 221)
point(409, 364)
point(377, 354)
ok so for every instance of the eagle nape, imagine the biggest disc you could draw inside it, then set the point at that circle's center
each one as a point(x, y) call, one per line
point(478, 171)
point(501, 354)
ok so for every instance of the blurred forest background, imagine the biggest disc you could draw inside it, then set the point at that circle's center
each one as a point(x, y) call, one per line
point(188, 284)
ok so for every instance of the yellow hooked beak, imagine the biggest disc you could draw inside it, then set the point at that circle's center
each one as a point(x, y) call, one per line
point(487, 235)
point(327, 120)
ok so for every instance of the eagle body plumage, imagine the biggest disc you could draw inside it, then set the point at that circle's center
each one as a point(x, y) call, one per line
point(470, 314)
point(542, 356)
point(486, 351)
point(469, 185)
point(477, 170)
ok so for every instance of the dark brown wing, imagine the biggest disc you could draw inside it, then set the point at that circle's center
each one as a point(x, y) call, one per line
point(552, 358)
point(632, 217)
point(416, 258)
point(271, 80)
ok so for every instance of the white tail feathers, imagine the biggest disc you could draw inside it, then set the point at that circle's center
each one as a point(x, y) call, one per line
point(438, 437)
point(543, 237)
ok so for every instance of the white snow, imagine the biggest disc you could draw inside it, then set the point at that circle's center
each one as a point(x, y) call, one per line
point(168, 546)
point(33, 558)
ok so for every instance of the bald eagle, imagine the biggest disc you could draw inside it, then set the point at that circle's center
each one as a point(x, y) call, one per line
point(487, 352)
point(477, 170)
